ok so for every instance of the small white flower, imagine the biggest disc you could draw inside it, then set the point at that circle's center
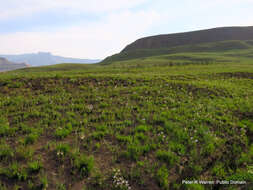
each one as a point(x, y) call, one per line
point(82, 137)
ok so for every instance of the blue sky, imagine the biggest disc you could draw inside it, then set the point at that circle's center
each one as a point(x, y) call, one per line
point(98, 28)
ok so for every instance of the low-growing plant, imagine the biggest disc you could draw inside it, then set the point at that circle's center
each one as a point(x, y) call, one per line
point(141, 128)
point(34, 167)
point(44, 181)
point(119, 182)
point(193, 186)
point(6, 152)
point(60, 186)
point(98, 135)
point(4, 127)
point(124, 139)
point(84, 165)
point(98, 181)
point(162, 175)
point(14, 171)
point(24, 152)
point(194, 169)
point(62, 150)
point(141, 137)
point(208, 149)
point(3, 187)
point(31, 138)
point(219, 170)
point(63, 132)
point(178, 148)
point(136, 174)
point(134, 151)
point(167, 157)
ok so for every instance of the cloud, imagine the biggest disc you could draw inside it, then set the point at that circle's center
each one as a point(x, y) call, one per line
point(104, 27)
point(12, 9)
point(96, 40)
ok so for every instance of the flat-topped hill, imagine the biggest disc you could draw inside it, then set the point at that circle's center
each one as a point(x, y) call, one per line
point(192, 38)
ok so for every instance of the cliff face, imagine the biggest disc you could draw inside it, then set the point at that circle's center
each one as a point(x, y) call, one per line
point(6, 65)
point(192, 38)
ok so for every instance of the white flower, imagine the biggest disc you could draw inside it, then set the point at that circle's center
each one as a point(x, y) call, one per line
point(82, 137)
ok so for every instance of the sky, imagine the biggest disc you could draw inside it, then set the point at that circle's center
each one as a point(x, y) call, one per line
point(99, 28)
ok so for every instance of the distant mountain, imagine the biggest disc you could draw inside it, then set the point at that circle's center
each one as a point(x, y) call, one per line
point(210, 40)
point(192, 38)
point(6, 65)
point(44, 58)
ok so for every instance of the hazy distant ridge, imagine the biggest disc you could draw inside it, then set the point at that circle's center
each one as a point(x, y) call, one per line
point(42, 58)
point(6, 65)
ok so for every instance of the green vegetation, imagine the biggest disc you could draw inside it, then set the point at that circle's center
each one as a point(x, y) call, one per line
point(199, 53)
point(144, 123)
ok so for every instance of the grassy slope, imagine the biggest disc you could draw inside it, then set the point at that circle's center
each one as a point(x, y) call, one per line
point(180, 116)
point(214, 35)
point(214, 48)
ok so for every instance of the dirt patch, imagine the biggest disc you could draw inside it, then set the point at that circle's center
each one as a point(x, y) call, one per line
point(45, 83)
point(201, 91)
point(242, 75)
point(244, 115)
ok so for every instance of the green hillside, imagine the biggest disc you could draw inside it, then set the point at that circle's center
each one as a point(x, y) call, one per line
point(140, 120)
point(213, 35)
point(218, 48)
point(70, 126)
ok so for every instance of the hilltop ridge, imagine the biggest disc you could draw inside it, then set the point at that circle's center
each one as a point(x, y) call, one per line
point(219, 40)
point(192, 38)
